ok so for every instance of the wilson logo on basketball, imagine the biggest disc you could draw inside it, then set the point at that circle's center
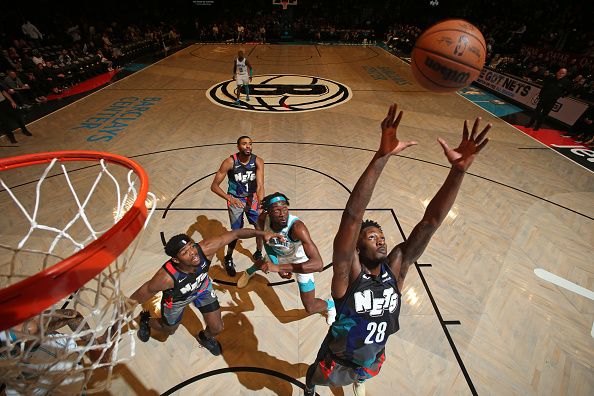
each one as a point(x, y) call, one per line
point(281, 93)
point(447, 74)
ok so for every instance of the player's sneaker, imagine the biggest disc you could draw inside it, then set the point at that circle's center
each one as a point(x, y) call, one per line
point(230, 266)
point(244, 279)
point(247, 98)
point(209, 343)
point(144, 329)
point(359, 388)
point(331, 316)
point(309, 391)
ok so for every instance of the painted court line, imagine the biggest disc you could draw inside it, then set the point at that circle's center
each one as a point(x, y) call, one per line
point(564, 283)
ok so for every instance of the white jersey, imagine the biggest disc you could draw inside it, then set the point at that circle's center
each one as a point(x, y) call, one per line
point(241, 67)
point(289, 252)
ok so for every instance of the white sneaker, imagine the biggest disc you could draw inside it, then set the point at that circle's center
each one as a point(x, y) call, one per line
point(244, 280)
point(331, 316)
point(359, 388)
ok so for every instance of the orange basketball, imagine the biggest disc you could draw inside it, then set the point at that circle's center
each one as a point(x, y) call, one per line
point(448, 56)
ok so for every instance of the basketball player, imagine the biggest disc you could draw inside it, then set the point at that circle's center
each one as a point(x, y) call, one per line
point(368, 280)
point(240, 74)
point(298, 254)
point(50, 361)
point(184, 279)
point(245, 173)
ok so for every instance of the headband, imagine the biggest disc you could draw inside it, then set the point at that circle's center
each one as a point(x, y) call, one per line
point(276, 199)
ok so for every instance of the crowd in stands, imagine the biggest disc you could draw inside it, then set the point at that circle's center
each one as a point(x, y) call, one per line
point(528, 39)
point(34, 65)
point(264, 29)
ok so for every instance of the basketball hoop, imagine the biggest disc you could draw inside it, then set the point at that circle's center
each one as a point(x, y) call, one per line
point(73, 259)
point(285, 3)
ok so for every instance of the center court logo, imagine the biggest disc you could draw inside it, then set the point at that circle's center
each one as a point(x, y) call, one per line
point(282, 93)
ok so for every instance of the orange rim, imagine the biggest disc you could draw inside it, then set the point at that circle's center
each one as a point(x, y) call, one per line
point(27, 298)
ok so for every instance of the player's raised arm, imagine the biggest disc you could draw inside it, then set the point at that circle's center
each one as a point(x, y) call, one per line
point(211, 245)
point(350, 224)
point(159, 282)
point(406, 253)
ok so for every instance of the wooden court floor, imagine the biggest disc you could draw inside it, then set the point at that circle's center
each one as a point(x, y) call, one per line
point(475, 317)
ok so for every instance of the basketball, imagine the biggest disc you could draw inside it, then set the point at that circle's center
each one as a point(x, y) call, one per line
point(448, 56)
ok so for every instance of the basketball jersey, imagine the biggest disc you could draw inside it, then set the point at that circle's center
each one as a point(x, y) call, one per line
point(288, 252)
point(186, 286)
point(365, 318)
point(242, 177)
point(241, 67)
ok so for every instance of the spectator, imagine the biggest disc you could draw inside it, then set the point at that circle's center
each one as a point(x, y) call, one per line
point(9, 114)
point(37, 58)
point(534, 74)
point(105, 61)
point(65, 57)
point(32, 32)
point(553, 88)
point(240, 33)
point(15, 87)
point(74, 33)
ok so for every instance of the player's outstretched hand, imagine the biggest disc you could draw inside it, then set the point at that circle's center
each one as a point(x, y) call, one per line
point(390, 145)
point(462, 156)
point(286, 275)
point(269, 235)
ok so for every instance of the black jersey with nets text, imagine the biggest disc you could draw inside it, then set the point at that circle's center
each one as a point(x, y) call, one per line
point(242, 177)
point(366, 316)
point(186, 285)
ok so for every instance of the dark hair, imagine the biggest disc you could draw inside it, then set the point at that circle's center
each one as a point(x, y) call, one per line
point(369, 223)
point(176, 243)
point(242, 137)
point(266, 204)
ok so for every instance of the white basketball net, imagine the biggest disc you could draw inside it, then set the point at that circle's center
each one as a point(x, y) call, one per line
point(71, 347)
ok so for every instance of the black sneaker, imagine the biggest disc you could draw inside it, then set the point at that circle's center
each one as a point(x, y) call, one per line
point(230, 267)
point(209, 343)
point(309, 391)
point(27, 132)
point(258, 256)
point(144, 330)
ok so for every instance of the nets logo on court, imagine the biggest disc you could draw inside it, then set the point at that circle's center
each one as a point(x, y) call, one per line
point(281, 93)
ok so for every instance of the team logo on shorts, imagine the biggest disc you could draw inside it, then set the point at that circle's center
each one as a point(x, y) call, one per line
point(281, 93)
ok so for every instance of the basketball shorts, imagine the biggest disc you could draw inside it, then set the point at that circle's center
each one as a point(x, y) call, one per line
point(329, 372)
point(205, 300)
point(250, 209)
point(242, 79)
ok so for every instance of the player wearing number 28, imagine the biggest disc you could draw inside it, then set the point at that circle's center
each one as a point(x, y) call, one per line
point(367, 279)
